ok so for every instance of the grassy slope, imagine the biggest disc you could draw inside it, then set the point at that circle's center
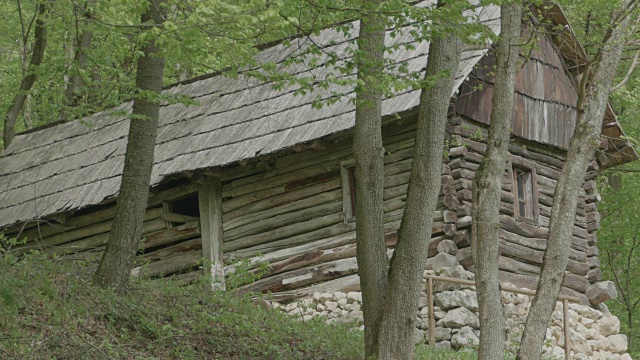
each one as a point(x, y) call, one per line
point(49, 309)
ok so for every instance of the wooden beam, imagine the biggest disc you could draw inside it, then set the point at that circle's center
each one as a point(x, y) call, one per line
point(210, 204)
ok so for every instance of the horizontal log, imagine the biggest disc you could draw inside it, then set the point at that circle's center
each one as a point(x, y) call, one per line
point(174, 234)
point(575, 282)
point(170, 265)
point(169, 251)
point(81, 227)
point(93, 241)
point(175, 192)
point(343, 284)
point(600, 292)
point(304, 276)
point(311, 258)
point(268, 224)
point(179, 218)
point(594, 275)
point(273, 197)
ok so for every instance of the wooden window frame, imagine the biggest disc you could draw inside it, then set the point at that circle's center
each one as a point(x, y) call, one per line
point(347, 176)
point(529, 168)
point(174, 219)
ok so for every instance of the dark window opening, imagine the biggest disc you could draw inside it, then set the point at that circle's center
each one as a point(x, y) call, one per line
point(349, 191)
point(184, 210)
point(523, 182)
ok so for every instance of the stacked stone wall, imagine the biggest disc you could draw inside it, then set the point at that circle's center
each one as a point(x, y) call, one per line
point(595, 333)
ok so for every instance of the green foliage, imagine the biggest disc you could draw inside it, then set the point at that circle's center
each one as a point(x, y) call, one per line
point(49, 309)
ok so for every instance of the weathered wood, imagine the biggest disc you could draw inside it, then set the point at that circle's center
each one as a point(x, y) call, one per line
point(450, 216)
point(305, 276)
point(171, 265)
point(311, 258)
point(266, 223)
point(80, 227)
point(210, 203)
point(594, 275)
point(240, 206)
point(448, 247)
point(178, 218)
point(194, 244)
point(575, 282)
point(88, 242)
point(600, 292)
point(344, 284)
point(174, 234)
point(464, 222)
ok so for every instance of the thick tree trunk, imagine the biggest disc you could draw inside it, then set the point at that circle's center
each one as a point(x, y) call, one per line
point(80, 60)
point(116, 263)
point(595, 85)
point(395, 336)
point(30, 76)
point(487, 190)
point(371, 251)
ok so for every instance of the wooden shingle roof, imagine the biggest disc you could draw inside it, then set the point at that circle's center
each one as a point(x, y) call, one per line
point(79, 163)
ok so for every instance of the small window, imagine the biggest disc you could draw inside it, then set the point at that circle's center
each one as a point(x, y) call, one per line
point(349, 192)
point(525, 196)
point(181, 211)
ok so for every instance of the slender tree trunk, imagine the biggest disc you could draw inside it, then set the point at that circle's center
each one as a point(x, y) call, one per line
point(30, 77)
point(75, 81)
point(409, 259)
point(117, 260)
point(487, 187)
point(595, 87)
point(371, 253)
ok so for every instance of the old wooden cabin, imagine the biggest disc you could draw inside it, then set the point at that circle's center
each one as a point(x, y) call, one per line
point(261, 174)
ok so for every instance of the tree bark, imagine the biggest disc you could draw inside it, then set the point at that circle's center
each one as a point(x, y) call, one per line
point(487, 187)
point(595, 87)
point(80, 60)
point(397, 325)
point(371, 251)
point(30, 76)
point(117, 261)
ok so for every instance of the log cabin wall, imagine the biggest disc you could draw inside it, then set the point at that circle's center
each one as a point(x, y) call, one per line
point(165, 250)
point(522, 243)
point(293, 217)
point(289, 212)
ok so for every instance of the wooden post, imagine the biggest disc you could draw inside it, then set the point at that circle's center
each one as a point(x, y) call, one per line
point(210, 204)
point(432, 321)
point(567, 330)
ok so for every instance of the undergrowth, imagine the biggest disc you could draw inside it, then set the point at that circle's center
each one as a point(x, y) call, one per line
point(50, 310)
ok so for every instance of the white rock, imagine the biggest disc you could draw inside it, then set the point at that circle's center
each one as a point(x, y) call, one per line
point(339, 295)
point(452, 299)
point(465, 338)
point(461, 317)
point(609, 325)
point(331, 305)
point(354, 296)
point(342, 302)
point(617, 343)
point(325, 297)
point(443, 333)
point(441, 261)
point(418, 336)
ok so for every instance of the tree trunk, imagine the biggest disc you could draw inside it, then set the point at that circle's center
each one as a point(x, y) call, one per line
point(80, 63)
point(595, 87)
point(371, 251)
point(395, 337)
point(116, 263)
point(487, 190)
point(30, 76)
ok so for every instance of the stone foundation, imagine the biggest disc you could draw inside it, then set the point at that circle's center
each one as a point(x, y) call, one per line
point(594, 332)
